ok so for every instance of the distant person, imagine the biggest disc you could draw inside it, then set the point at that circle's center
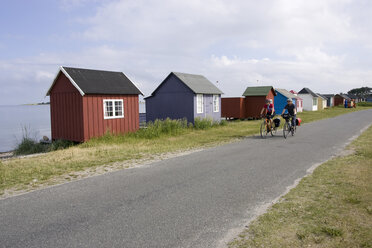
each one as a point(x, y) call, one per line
point(345, 103)
point(292, 111)
point(269, 110)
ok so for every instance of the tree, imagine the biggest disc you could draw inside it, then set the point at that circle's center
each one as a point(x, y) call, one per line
point(362, 92)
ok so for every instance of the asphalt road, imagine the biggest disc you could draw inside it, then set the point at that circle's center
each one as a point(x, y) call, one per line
point(188, 201)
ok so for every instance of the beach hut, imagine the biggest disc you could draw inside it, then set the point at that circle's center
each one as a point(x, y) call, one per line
point(322, 102)
point(233, 107)
point(281, 99)
point(182, 95)
point(255, 99)
point(310, 99)
point(88, 103)
point(340, 99)
point(330, 99)
point(300, 101)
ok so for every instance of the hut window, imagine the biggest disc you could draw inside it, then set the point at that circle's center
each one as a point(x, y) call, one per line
point(216, 103)
point(113, 109)
point(315, 101)
point(199, 103)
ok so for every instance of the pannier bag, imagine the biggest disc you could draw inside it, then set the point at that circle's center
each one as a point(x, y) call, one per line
point(277, 122)
point(298, 121)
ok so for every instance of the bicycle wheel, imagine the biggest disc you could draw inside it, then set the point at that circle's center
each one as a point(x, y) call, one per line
point(285, 130)
point(272, 129)
point(292, 130)
point(263, 130)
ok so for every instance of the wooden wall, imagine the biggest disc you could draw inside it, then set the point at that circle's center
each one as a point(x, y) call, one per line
point(94, 123)
point(233, 107)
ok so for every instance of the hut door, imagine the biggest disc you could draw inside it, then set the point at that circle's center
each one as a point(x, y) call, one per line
point(208, 106)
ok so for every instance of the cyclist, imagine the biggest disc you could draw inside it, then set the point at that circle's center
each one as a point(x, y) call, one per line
point(292, 111)
point(270, 111)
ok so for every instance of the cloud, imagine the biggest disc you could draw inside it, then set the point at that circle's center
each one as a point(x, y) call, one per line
point(320, 44)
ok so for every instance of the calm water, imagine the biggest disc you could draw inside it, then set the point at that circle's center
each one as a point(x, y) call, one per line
point(14, 119)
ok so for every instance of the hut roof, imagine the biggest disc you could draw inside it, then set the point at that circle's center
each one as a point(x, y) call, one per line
point(307, 91)
point(196, 83)
point(321, 96)
point(89, 81)
point(286, 93)
point(258, 91)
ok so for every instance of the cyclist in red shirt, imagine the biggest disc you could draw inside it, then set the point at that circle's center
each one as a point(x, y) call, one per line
point(269, 110)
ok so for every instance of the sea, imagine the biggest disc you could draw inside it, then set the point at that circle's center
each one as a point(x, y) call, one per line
point(18, 121)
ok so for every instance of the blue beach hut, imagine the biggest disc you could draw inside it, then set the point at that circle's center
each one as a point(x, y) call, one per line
point(183, 95)
point(280, 99)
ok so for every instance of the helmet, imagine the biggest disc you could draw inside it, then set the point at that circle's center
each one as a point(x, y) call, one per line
point(289, 100)
point(270, 100)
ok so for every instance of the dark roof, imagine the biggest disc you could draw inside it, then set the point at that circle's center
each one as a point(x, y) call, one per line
point(307, 91)
point(343, 96)
point(89, 81)
point(258, 91)
point(328, 95)
point(196, 83)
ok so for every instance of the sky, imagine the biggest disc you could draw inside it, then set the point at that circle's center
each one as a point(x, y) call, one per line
point(325, 45)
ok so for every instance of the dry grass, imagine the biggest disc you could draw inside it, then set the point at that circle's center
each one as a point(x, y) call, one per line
point(330, 208)
point(30, 172)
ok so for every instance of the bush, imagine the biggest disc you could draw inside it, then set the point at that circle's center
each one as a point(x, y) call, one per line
point(202, 124)
point(161, 127)
point(30, 146)
point(60, 144)
point(223, 123)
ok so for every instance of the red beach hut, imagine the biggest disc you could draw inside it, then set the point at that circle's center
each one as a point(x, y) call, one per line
point(87, 103)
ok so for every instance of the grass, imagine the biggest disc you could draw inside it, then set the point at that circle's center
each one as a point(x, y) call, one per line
point(156, 139)
point(330, 208)
point(365, 104)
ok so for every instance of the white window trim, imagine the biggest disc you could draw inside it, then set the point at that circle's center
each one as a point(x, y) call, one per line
point(197, 103)
point(113, 106)
point(216, 107)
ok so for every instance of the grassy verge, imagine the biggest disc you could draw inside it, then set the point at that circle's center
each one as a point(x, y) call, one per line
point(330, 208)
point(21, 173)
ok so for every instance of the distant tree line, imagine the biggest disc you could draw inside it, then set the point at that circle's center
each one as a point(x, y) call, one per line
point(363, 92)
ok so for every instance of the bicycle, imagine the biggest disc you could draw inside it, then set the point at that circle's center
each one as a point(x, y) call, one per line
point(266, 127)
point(288, 127)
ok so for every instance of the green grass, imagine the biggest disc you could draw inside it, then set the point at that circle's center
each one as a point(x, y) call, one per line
point(330, 208)
point(364, 104)
point(158, 138)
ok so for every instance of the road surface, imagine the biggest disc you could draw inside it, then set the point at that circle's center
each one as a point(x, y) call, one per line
point(189, 201)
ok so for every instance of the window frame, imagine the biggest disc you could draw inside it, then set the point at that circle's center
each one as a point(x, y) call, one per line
point(199, 105)
point(315, 100)
point(216, 103)
point(114, 116)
